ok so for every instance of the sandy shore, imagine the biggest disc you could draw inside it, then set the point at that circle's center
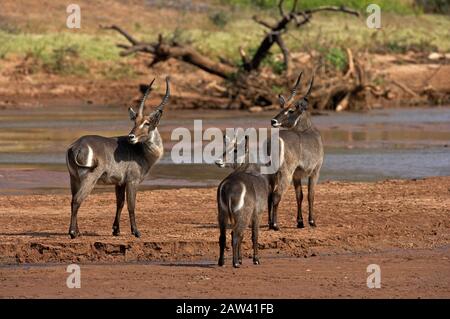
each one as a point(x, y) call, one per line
point(403, 224)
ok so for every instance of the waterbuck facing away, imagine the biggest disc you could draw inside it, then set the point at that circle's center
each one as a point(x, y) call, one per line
point(122, 161)
point(301, 154)
point(241, 198)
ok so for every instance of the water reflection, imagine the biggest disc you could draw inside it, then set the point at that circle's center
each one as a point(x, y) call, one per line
point(398, 143)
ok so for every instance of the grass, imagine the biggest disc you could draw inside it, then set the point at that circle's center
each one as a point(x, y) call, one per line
point(399, 7)
point(90, 47)
point(398, 34)
point(68, 52)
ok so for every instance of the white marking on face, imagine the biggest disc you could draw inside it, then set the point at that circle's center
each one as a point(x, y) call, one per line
point(220, 163)
point(143, 124)
point(90, 157)
point(240, 204)
point(152, 136)
point(296, 121)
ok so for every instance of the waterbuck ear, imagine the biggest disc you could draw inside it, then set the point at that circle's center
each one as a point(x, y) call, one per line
point(302, 104)
point(132, 114)
point(154, 119)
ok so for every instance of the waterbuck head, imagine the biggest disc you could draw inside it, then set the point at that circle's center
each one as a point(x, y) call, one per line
point(144, 125)
point(235, 148)
point(292, 111)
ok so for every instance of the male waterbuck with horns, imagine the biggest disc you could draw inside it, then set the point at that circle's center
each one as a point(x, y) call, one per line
point(122, 161)
point(301, 154)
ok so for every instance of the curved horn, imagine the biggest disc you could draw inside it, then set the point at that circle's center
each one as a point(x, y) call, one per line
point(310, 86)
point(294, 89)
point(166, 96)
point(141, 107)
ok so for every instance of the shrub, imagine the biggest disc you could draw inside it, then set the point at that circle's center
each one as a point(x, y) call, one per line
point(220, 18)
point(337, 57)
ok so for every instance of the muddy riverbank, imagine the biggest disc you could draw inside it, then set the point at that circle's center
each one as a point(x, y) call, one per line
point(401, 225)
point(180, 224)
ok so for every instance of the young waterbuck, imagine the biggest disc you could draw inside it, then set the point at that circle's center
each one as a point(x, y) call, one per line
point(122, 161)
point(241, 198)
point(301, 154)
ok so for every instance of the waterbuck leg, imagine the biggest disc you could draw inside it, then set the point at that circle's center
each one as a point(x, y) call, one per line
point(312, 181)
point(299, 196)
point(270, 210)
point(276, 198)
point(222, 241)
point(235, 244)
point(131, 203)
point(79, 193)
point(120, 201)
point(279, 187)
point(255, 229)
point(241, 237)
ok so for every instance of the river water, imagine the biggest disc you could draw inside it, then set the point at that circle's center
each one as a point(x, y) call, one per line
point(369, 146)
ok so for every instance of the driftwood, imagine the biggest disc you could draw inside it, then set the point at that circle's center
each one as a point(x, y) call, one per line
point(246, 86)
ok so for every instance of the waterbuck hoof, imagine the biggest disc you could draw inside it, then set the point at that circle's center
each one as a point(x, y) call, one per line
point(73, 234)
point(312, 223)
point(300, 225)
point(256, 261)
point(236, 265)
point(240, 261)
point(274, 227)
point(221, 262)
point(136, 233)
point(116, 232)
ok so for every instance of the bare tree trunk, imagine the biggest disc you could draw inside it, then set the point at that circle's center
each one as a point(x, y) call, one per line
point(163, 51)
point(247, 87)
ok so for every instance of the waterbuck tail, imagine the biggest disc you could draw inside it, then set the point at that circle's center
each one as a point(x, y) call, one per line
point(84, 156)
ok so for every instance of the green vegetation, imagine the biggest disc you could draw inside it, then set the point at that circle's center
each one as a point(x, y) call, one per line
point(337, 57)
point(65, 53)
point(222, 31)
point(401, 7)
point(219, 18)
point(89, 47)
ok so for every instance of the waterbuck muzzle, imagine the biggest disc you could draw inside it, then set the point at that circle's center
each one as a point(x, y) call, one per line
point(237, 150)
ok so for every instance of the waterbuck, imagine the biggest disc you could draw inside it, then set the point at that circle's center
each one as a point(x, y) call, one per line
point(123, 161)
point(241, 198)
point(301, 151)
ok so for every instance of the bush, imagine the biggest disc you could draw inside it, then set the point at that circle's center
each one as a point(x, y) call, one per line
point(220, 18)
point(337, 57)
point(65, 60)
point(434, 6)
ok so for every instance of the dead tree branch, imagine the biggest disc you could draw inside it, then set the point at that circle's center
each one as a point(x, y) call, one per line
point(275, 31)
point(163, 51)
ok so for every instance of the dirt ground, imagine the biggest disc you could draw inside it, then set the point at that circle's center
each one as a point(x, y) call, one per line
point(402, 225)
point(404, 274)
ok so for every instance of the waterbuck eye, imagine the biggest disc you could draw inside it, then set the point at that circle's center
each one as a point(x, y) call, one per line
point(291, 111)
